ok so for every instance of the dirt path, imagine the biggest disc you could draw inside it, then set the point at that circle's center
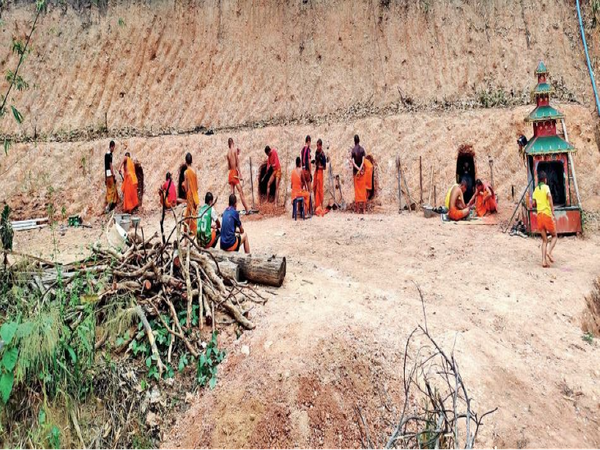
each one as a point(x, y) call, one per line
point(332, 337)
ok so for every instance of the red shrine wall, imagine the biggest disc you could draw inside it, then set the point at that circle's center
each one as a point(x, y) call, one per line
point(543, 129)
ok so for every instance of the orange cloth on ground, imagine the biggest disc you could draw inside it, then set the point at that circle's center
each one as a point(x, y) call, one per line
point(318, 188)
point(360, 188)
point(458, 214)
point(233, 177)
point(129, 187)
point(193, 201)
point(297, 190)
point(112, 196)
point(320, 211)
point(368, 174)
point(483, 204)
point(545, 222)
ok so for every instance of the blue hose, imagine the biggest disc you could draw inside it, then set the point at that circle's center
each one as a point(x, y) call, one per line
point(587, 57)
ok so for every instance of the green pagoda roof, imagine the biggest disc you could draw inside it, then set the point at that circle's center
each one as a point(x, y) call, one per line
point(544, 113)
point(547, 144)
point(543, 88)
point(541, 68)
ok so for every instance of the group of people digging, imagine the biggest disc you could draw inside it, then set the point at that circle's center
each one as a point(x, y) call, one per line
point(307, 185)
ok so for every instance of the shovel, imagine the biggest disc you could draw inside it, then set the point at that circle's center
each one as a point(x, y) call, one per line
point(342, 204)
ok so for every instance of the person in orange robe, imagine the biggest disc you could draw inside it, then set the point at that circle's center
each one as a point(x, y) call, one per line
point(129, 186)
point(190, 184)
point(484, 199)
point(297, 190)
point(458, 209)
point(358, 168)
point(369, 175)
point(234, 177)
point(320, 166)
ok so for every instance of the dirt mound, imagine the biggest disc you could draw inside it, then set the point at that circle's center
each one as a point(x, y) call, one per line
point(316, 409)
point(591, 317)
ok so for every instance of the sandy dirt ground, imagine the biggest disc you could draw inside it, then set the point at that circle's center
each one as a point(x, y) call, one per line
point(331, 339)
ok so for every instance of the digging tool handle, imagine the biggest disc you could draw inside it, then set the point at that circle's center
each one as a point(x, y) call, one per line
point(517, 207)
point(252, 183)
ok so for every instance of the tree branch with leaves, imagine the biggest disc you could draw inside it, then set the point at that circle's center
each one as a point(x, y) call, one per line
point(16, 81)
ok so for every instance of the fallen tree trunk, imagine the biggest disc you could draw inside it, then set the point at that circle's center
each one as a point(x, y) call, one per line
point(260, 269)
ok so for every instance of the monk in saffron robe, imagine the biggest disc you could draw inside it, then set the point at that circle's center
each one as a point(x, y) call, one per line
point(369, 175)
point(297, 186)
point(190, 184)
point(234, 177)
point(167, 193)
point(358, 168)
point(484, 199)
point(130, 184)
point(458, 210)
point(320, 166)
point(112, 196)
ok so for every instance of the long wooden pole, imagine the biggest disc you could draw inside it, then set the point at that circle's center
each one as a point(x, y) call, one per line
point(287, 170)
point(430, 186)
point(399, 184)
point(252, 184)
point(571, 164)
point(517, 206)
point(421, 179)
point(410, 200)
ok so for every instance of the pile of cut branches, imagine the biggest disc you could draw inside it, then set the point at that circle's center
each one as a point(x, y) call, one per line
point(437, 410)
point(153, 306)
point(179, 284)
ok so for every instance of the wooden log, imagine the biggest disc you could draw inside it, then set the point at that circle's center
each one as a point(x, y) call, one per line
point(261, 269)
point(230, 270)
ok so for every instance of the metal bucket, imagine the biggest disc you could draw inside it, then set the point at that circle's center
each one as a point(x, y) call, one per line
point(125, 223)
point(428, 212)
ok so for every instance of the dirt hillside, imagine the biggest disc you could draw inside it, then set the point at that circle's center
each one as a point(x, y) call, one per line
point(73, 171)
point(172, 65)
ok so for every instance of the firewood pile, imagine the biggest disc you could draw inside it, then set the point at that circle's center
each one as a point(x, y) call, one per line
point(168, 278)
point(173, 283)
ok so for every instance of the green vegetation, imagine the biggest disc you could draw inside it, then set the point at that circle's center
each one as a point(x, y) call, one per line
point(588, 337)
point(68, 349)
point(20, 47)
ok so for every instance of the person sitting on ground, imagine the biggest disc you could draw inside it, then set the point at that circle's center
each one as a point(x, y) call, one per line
point(209, 226)
point(484, 199)
point(272, 163)
point(168, 193)
point(546, 223)
point(231, 239)
point(297, 185)
point(457, 210)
